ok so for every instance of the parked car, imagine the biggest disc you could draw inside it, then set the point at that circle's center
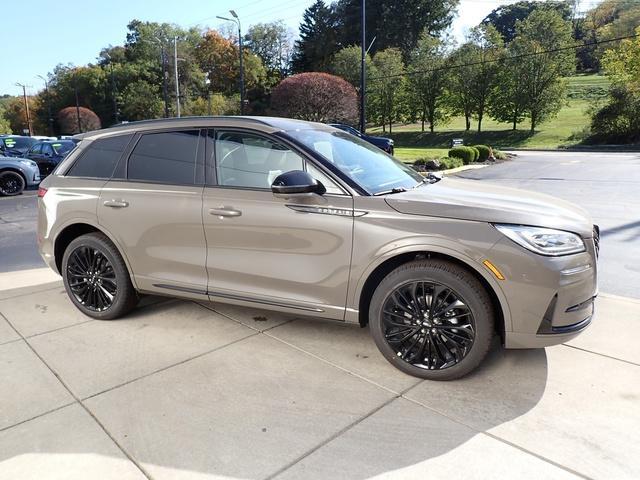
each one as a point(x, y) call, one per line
point(15, 145)
point(48, 154)
point(307, 219)
point(16, 174)
point(383, 143)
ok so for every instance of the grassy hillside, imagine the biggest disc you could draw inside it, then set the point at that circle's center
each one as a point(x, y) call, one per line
point(583, 92)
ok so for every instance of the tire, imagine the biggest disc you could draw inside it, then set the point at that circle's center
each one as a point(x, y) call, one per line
point(442, 310)
point(11, 183)
point(96, 278)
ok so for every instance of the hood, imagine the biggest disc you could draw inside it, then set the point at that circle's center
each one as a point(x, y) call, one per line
point(486, 202)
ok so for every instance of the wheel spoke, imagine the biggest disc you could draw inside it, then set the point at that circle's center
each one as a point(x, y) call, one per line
point(91, 278)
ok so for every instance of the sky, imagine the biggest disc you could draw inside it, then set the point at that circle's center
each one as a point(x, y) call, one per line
point(74, 31)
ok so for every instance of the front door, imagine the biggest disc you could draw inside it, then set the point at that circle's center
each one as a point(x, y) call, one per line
point(292, 253)
point(155, 212)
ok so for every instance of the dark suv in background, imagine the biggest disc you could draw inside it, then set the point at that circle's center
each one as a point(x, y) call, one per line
point(383, 143)
point(49, 153)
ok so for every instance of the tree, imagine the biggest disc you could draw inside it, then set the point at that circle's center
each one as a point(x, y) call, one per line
point(317, 97)
point(619, 120)
point(508, 100)
point(428, 80)
point(273, 43)
point(346, 63)
point(4, 123)
point(140, 101)
point(487, 50)
point(394, 23)
point(68, 120)
point(461, 75)
point(387, 88)
point(318, 39)
point(506, 17)
point(540, 50)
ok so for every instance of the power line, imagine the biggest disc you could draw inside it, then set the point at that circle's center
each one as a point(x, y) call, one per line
point(503, 59)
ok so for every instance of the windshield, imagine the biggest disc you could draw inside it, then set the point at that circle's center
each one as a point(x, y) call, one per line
point(62, 148)
point(367, 165)
point(21, 143)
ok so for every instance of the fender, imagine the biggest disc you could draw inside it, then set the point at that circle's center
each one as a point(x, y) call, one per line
point(353, 302)
point(101, 229)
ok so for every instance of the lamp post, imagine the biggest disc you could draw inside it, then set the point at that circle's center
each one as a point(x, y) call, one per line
point(237, 21)
point(114, 91)
point(26, 107)
point(46, 91)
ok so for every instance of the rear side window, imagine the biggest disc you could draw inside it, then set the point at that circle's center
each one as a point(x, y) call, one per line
point(167, 157)
point(100, 158)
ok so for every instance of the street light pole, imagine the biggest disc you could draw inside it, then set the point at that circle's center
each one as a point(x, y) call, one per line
point(46, 91)
point(237, 21)
point(75, 88)
point(363, 72)
point(175, 67)
point(26, 107)
point(114, 90)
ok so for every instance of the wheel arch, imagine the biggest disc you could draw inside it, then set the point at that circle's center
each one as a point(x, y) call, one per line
point(383, 268)
point(75, 229)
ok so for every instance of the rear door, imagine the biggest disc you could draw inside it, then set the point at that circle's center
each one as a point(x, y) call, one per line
point(153, 206)
point(293, 253)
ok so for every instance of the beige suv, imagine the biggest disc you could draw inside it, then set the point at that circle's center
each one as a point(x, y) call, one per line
point(307, 219)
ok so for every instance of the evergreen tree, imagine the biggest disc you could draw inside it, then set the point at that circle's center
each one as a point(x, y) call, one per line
point(318, 39)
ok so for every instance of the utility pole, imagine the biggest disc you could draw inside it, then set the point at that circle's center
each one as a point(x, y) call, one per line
point(175, 65)
point(75, 88)
point(165, 81)
point(114, 90)
point(26, 107)
point(363, 71)
point(46, 91)
point(237, 21)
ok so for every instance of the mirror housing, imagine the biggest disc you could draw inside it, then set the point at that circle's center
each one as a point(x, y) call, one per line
point(296, 182)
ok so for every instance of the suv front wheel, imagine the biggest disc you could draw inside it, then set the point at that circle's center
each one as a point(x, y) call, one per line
point(96, 278)
point(432, 319)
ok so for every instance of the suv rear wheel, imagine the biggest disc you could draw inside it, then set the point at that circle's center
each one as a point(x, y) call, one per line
point(96, 278)
point(432, 319)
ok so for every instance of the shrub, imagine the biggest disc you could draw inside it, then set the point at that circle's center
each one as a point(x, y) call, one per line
point(419, 162)
point(68, 120)
point(316, 97)
point(499, 155)
point(476, 153)
point(465, 154)
point(484, 152)
point(447, 163)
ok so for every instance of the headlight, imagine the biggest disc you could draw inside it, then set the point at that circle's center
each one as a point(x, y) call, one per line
point(545, 241)
point(29, 163)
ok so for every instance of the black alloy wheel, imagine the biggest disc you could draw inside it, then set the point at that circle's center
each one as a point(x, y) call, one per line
point(428, 325)
point(96, 277)
point(432, 319)
point(11, 183)
point(91, 278)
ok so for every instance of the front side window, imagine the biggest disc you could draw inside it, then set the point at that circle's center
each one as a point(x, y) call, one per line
point(100, 158)
point(36, 149)
point(167, 157)
point(251, 161)
point(365, 164)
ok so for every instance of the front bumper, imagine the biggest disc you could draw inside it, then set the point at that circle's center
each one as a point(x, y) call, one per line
point(550, 299)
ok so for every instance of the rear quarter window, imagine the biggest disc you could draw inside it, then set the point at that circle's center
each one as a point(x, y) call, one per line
point(100, 158)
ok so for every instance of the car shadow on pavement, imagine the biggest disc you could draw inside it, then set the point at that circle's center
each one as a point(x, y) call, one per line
point(292, 398)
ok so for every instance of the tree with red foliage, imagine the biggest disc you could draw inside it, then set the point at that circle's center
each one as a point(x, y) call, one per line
point(68, 120)
point(317, 97)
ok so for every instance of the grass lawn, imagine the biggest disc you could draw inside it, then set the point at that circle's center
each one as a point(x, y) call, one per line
point(584, 90)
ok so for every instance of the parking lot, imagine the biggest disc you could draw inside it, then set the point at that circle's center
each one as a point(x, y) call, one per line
point(193, 390)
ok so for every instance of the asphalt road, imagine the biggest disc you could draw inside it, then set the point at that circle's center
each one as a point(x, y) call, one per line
point(606, 184)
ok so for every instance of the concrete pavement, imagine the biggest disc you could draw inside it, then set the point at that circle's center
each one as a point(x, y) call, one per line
point(201, 391)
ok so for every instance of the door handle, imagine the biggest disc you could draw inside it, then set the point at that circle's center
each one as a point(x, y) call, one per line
point(224, 212)
point(116, 203)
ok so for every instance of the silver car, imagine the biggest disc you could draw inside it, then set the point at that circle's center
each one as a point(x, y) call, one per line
point(16, 174)
point(306, 219)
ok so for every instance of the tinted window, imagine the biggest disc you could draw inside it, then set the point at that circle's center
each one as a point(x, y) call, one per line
point(100, 157)
point(247, 160)
point(36, 149)
point(168, 157)
point(46, 149)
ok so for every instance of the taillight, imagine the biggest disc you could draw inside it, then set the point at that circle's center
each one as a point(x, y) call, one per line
point(42, 192)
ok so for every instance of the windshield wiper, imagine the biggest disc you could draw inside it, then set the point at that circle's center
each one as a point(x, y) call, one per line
point(393, 190)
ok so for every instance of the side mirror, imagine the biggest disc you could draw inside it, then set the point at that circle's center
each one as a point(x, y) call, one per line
point(296, 182)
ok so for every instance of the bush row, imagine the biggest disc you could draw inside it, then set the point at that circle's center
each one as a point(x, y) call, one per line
point(477, 153)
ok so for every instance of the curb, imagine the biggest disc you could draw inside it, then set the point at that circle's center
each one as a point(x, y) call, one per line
point(457, 169)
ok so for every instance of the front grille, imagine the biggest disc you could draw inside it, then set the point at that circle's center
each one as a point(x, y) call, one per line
point(596, 239)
